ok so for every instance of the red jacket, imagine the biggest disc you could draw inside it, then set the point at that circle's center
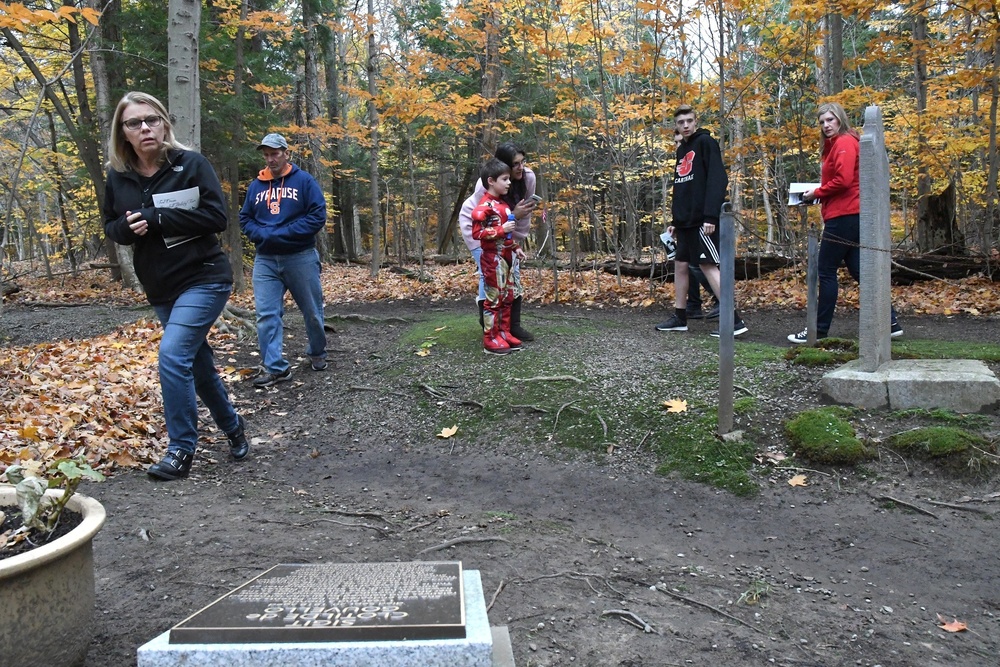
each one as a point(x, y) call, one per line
point(840, 192)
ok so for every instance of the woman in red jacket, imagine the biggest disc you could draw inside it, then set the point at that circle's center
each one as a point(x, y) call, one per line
point(840, 196)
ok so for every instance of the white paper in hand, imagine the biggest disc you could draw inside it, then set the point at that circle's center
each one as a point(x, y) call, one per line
point(187, 200)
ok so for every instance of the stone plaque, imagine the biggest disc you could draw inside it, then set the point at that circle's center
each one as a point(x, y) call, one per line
point(335, 602)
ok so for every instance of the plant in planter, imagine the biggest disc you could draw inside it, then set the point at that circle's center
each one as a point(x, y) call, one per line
point(41, 513)
point(47, 592)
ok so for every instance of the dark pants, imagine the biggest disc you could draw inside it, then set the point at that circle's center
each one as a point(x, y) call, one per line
point(841, 243)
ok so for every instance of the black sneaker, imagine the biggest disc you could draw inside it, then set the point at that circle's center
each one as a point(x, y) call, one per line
point(239, 446)
point(173, 465)
point(738, 329)
point(713, 314)
point(673, 324)
point(802, 337)
point(895, 331)
point(317, 363)
point(694, 313)
point(266, 379)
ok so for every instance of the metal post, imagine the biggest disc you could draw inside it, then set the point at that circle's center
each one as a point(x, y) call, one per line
point(812, 286)
point(727, 302)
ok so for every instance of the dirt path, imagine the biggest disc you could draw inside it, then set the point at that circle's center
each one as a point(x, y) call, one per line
point(845, 577)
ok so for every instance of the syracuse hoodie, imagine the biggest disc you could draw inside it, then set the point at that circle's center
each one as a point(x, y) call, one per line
point(282, 215)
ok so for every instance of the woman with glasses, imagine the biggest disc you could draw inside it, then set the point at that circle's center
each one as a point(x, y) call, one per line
point(166, 201)
point(521, 200)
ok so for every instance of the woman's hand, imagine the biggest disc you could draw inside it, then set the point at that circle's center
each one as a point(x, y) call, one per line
point(521, 255)
point(808, 195)
point(523, 208)
point(136, 223)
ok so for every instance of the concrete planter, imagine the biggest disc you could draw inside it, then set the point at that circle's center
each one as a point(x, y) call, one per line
point(47, 594)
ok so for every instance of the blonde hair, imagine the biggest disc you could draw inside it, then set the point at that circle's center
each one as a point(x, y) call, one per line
point(121, 156)
point(838, 113)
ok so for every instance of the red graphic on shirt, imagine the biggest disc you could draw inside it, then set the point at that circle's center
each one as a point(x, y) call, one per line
point(684, 166)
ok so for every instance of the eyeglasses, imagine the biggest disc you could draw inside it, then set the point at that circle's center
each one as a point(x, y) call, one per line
point(518, 163)
point(135, 123)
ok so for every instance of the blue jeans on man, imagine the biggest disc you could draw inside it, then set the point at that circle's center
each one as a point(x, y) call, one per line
point(187, 367)
point(840, 243)
point(273, 275)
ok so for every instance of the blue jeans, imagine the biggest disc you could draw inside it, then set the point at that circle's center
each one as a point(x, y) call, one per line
point(841, 242)
point(273, 275)
point(187, 368)
point(515, 272)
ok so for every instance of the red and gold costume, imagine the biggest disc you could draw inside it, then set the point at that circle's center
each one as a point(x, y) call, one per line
point(496, 262)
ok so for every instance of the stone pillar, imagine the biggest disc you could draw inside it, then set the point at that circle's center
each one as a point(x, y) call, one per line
point(874, 345)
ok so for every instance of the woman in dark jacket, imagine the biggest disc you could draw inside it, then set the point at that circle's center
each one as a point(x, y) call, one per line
point(166, 201)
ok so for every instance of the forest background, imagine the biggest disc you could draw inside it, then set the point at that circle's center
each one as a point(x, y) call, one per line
point(392, 106)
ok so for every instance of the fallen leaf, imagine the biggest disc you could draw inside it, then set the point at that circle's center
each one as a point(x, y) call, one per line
point(441, 328)
point(448, 432)
point(954, 625)
point(423, 352)
point(798, 480)
point(776, 457)
point(676, 405)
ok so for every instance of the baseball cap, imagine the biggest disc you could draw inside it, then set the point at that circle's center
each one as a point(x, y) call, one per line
point(273, 140)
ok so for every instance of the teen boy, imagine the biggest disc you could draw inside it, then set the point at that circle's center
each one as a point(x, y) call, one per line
point(699, 191)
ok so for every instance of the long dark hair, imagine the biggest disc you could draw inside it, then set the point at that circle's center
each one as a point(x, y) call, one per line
point(506, 152)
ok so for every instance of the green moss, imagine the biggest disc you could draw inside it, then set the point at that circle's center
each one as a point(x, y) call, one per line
point(754, 355)
point(943, 415)
point(688, 445)
point(945, 349)
point(826, 352)
point(825, 435)
point(937, 441)
point(451, 331)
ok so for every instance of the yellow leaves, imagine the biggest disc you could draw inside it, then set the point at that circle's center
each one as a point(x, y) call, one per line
point(676, 405)
point(448, 432)
point(798, 480)
point(29, 433)
point(954, 625)
point(16, 16)
point(423, 352)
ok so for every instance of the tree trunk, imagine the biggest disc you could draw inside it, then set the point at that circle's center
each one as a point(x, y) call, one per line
point(232, 238)
point(832, 81)
point(372, 70)
point(183, 92)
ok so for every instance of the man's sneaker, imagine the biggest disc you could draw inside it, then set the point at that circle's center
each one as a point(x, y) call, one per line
point(896, 331)
point(738, 329)
point(266, 379)
point(317, 363)
point(239, 446)
point(694, 313)
point(713, 314)
point(673, 324)
point(803, 337)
